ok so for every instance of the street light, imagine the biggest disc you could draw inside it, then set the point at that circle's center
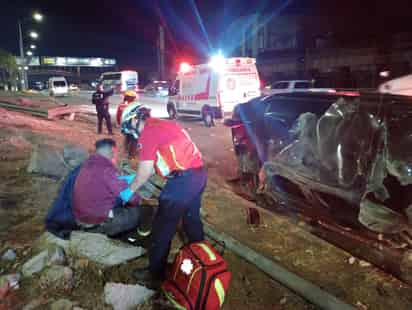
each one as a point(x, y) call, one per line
point(34, 34)
point(38, 17)
point(32, 46)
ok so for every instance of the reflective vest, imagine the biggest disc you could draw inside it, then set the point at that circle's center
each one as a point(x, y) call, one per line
point(179, 155)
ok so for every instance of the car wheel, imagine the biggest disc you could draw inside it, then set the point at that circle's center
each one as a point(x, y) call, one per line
point(208, 118)
point(171, 111)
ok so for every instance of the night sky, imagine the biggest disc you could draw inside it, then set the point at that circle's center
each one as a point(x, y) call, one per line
point(126, 29)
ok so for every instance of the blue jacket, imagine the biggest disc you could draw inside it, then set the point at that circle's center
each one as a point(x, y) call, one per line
point(60, 220)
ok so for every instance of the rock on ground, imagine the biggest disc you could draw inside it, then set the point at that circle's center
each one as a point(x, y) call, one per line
point(9, 255)
point(96, 247)
point(74, 155)
point(35, 264)
point(52, 162)
point(52, 255)
point(125, 297)
point(48, 162)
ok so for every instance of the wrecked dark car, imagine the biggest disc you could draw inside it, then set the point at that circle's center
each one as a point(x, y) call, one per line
point(331, 155)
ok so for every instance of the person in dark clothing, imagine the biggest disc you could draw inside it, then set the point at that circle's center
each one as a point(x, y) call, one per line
point(60, 220)
point(100, 99)
point(98, 204)
point(166, 149)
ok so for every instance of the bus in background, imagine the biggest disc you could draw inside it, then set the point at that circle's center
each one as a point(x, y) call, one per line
point(120, 81)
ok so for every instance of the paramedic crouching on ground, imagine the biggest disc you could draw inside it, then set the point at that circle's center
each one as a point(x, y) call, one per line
point(166, 149)
point(98, 193)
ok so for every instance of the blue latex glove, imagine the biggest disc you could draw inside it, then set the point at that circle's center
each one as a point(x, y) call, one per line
point(129, 178)
point(126, 194)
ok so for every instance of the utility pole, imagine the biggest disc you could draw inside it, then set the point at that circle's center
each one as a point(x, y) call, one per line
point(78, 75)
point(23, 75)
point(161, 53)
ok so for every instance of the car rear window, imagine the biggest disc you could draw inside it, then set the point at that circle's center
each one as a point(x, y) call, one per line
point(280, 85)
point(302, 85)
point(59, 83)
point(114, 76)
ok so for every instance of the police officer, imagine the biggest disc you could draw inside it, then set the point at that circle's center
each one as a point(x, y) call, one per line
point(165, 148)
point(100, 100)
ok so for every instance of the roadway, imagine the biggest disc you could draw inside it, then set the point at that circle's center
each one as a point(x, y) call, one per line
point(215, 143)
point(156, 104)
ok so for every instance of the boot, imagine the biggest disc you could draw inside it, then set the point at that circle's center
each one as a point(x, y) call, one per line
point(144, 276)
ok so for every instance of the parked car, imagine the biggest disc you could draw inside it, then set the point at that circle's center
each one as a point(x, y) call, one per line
point(346, 157)
point(398, 86)
point(58, 86)
point(157, 89)
point(293, 86)
point(37, 85)
point(73, 87)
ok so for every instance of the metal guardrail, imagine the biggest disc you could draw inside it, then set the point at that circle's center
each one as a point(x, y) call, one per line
point(33, 111)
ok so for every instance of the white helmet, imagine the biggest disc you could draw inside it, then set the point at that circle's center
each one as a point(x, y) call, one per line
point(137, 111)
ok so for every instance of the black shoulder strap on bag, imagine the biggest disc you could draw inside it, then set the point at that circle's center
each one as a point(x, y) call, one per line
point(219, 245)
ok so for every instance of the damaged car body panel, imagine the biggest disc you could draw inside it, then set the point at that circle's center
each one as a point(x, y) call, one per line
point(349, 157)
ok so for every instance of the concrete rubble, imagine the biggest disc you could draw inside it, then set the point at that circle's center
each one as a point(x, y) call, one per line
point(55, 163)
point(47, 257)
point(96, 247)
point(9, 255)
point(125, 297)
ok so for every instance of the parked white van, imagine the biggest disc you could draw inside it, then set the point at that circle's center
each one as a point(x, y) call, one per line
point(58, 86)
point(208, 91)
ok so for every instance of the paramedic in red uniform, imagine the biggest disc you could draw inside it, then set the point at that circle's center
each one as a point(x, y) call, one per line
point(165, 148)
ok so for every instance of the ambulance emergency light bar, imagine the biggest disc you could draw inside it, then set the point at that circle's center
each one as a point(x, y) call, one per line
point(217, 62)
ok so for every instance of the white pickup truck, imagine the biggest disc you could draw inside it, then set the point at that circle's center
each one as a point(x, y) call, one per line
point(399, 86)
point(281, 87)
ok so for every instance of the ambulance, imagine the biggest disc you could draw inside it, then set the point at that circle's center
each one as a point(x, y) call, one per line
point(209, 91)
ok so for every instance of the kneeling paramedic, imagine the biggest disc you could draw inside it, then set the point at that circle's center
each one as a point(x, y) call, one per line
point(165, 148)
point(98, 194)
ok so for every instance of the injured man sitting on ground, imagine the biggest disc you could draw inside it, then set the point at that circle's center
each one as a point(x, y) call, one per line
point(93, 199)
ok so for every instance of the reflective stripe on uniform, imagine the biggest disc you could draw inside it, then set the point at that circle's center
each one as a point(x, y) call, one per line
point(162, 165)
point(220, 291)
point(178, 165)
point(143, 233)
point(209, 252)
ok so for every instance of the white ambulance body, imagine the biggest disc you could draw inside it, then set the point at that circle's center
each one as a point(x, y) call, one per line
point(208, 92)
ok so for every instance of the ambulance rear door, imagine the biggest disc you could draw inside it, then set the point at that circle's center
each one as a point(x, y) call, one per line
point(206, 84)
point(239, 82)
point(187, 85)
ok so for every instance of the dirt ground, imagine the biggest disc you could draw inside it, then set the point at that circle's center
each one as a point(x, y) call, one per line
point(24, 200)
